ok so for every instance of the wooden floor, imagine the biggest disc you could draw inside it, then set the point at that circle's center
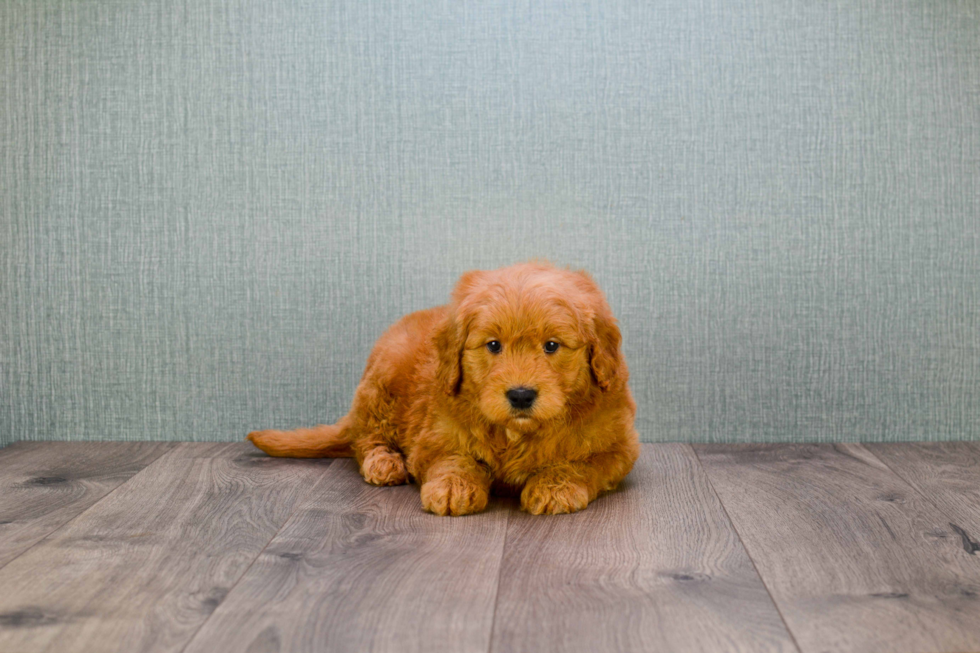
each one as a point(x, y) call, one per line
point(215, 547)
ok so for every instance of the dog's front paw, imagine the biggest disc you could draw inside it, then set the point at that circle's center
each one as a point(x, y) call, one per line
point(546, 495)
point(453, 495)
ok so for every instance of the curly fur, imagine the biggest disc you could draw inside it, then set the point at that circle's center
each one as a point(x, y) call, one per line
point(431, 406)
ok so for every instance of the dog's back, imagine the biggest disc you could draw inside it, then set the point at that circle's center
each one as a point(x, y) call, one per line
point(390, 382)
point(399, 353)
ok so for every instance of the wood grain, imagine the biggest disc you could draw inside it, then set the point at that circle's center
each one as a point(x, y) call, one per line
point(144, 568)
point(859, 555)
point(362, 568)
point(43, 485)
point(854, 557)
point(948, 474)
point(654, 566)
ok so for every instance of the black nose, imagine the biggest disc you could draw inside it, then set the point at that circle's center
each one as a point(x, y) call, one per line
point(521, 398)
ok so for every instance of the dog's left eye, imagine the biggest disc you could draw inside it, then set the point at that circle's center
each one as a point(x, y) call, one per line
point(550, 347)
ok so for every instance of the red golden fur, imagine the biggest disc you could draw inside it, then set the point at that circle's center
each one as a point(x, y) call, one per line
point(432, 405)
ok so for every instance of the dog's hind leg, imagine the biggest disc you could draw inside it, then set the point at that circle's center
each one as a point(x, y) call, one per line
point(375, 447)
point(382, 466)
point(367, 432)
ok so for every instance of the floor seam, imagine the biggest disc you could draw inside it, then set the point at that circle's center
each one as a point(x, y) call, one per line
point(500, 575)
point(101, 499)
point(745, 548)
point(296, 507)
point(915, 488)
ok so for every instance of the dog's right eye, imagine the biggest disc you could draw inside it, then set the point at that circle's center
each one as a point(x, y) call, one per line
point(493, 346)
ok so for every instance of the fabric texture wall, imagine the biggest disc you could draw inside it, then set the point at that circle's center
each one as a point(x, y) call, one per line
point(212, 208)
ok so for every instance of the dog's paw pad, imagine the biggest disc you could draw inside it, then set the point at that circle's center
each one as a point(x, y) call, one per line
point(554, 499)
point(453, 495)
point(383, 467)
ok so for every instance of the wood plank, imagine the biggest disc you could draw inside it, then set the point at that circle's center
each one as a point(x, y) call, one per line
point(948, 474)
point(855, 558)
point(655, 566)
point(362, 568)
point(144, 568)
point(44, 485)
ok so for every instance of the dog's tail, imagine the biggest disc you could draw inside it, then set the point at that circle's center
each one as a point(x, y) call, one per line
point(321, 441)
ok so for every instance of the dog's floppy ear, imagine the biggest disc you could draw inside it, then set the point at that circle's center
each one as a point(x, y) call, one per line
point(604, 354)
point(451, 338)
point(449, 343)
point(608, 365)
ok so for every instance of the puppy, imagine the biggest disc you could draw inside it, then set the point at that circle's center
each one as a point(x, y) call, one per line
point(517, 386)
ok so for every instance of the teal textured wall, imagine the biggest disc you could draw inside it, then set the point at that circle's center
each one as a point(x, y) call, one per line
point(211, 208)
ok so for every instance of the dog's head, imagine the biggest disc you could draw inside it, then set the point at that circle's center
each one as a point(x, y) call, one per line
point(529, 344)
